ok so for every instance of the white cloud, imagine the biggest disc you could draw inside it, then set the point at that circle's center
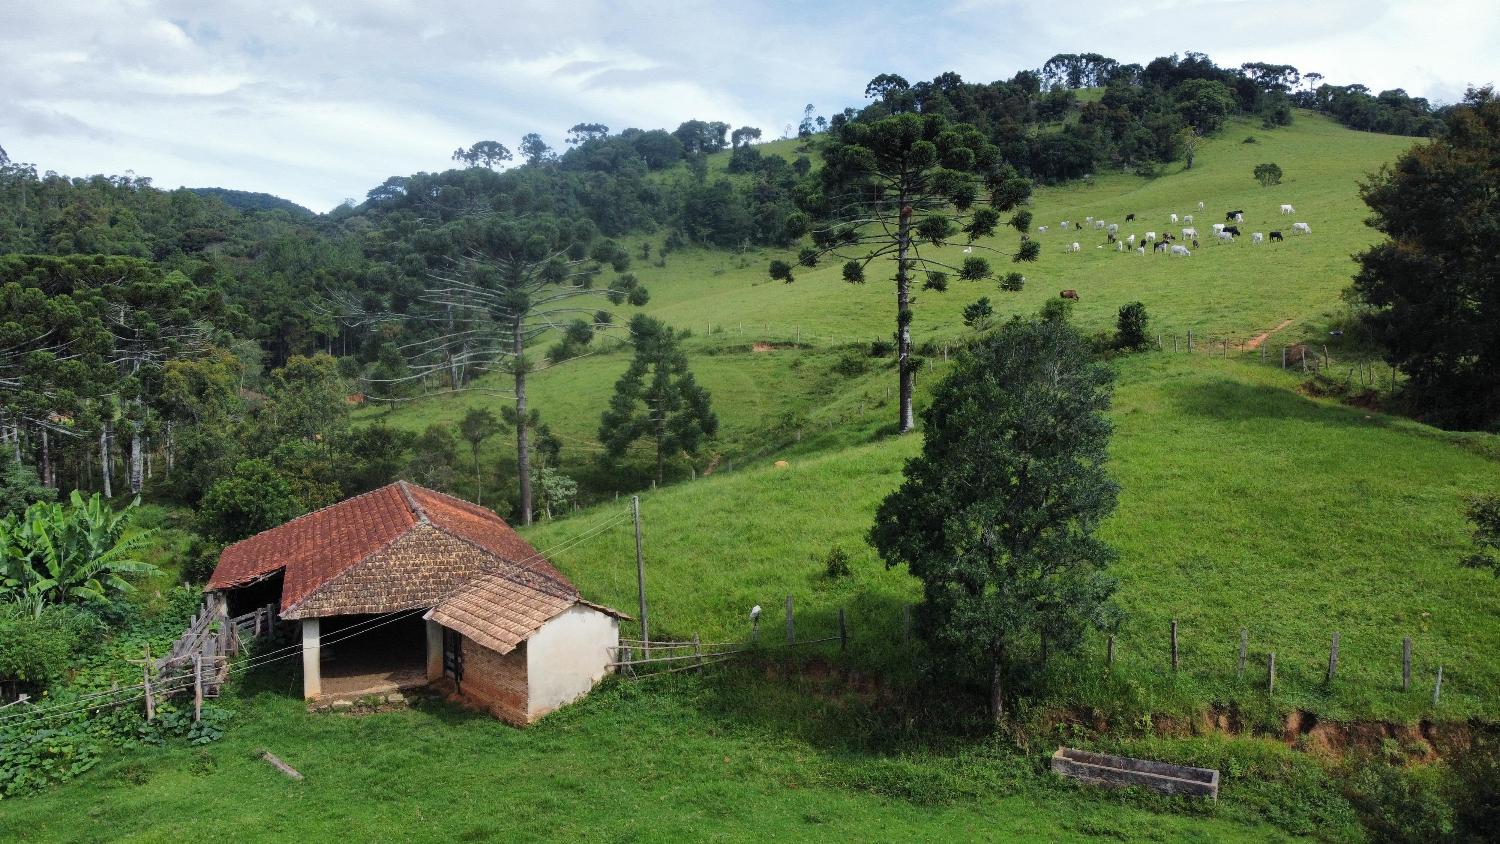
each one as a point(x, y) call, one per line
point(318, 102)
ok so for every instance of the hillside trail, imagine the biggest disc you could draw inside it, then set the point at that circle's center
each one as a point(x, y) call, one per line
point(1255, 343)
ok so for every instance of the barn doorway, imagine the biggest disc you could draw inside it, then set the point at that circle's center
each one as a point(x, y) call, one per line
point(372, 654)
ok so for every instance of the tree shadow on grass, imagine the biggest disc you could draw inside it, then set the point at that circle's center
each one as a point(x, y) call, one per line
point(1235, 401)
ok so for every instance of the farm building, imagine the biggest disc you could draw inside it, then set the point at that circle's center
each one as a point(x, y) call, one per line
point(404, 586)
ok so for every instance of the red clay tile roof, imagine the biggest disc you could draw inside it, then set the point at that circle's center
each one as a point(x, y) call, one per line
point(502, 609)
point(459, 541)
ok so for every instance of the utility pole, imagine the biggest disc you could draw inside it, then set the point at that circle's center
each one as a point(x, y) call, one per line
point(640, 573)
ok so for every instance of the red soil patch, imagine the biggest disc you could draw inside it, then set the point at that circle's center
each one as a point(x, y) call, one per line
point(1255, 343)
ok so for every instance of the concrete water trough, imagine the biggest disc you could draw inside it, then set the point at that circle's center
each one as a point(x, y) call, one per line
point(1121, 771)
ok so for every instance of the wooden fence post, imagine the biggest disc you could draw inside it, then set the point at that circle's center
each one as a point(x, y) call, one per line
point(197, 688)
point(1244, 647)
point(1283, 357)
point(1271, 673)
point(1174, 645)
point(843, 633)
point(791, 635)
point(146, 675)
point(1190, 339)
point(698, 651)
point(1333, 657)
point(1437, 688)
point(1406, 664)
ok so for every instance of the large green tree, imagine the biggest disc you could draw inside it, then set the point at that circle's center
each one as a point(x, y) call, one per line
point(997, 515)
point(897, 186)
point(477, 425)
point(657, 398)
point(1434, 285)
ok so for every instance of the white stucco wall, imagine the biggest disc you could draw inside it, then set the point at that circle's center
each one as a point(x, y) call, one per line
point(567, 656)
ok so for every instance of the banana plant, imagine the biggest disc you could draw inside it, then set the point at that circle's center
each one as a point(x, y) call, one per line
point(56, 554)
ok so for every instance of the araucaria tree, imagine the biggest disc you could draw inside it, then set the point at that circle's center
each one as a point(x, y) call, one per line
point(498, 284)
point(897, 186)
point(997, 515)
point(657, 398)
point(1434, 286)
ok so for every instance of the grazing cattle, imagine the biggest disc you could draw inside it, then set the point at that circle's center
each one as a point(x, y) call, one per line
point(1119, 246)
point(1074, 247)
point(1150, 237)
point(1065, 225)
point(1130, 240)
point(1129, 218)
point(1041, 229)
point(1257, 237)
point(969, 250)
point(1167, 236)
point(1287, 209)
point(1069, 294)
point(1098, 224)
point(1229, 216)
point(1182, 251)
point(1218, 227)
point(1110, 239)
point(1174, 218)
point(1114, 229)
point(1239, 218)
point(1078, 226)
point(1234, 230)
point(1195, 243)
point(1200, 206)
point(1187, 218)
point(1088, 219)
point(1225, 236)
point(1301, 228)
point(1275, 236)
point(1160, 247)
point(1140, 250)
point(1189, 233)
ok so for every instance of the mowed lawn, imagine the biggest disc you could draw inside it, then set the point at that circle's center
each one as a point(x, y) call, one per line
point(1243, 504)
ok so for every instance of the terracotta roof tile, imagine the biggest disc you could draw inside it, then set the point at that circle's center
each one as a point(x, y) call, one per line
point(502, 609)
point(398, 547)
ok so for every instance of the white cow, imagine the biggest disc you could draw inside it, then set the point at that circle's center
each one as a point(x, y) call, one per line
point(1074, 247)
point(1189, 233)
point(1098, 224)
point(1114, 228)
point(1150, 237)
point(1041, 229)
point(1287, 209)
point(1088, 219)
point(1301, 227)
point(1174, 217)
point(1218, 227)
point(1257, 237)
point(1239, 218)
point(1181, 250)
point(1225, 236)
point(1064, 224)
point(1187, 218)
point(1140, 250)
point(968, 250)
point(1119, 246)
point(1130, 240)
point(1200, 206)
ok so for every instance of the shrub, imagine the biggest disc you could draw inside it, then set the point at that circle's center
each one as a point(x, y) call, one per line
point(36, 650)
point(882, 348)
point(1268, 174)
point(1476, 787)
point(1131, 325)
point(255, 497)
point(836, 564)
point(851, 364)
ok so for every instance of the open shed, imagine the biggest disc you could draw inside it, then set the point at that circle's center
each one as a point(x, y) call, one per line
point(404, 586)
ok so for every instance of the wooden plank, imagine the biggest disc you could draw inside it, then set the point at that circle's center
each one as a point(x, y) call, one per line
point(1119, 771)
point(280, 765)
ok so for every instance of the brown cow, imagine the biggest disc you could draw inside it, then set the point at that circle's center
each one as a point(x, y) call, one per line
point(1069, 294)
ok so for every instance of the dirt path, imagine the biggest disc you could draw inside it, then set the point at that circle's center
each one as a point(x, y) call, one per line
point(1255, 343)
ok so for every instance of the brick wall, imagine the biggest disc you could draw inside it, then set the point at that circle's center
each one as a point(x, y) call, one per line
point(496, 681)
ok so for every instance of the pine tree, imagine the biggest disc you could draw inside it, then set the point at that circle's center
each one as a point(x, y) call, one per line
point(657, 398)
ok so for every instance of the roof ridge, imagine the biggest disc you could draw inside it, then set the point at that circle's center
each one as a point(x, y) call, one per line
point(312, 513)
point(411, 502)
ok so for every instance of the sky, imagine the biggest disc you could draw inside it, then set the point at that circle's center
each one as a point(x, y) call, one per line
point(319, 102)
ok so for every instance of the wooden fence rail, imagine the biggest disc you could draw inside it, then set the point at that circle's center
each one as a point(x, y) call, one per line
point(202, 653)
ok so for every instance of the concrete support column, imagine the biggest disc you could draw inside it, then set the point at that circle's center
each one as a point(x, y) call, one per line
point(312, 675)
point(434, 651)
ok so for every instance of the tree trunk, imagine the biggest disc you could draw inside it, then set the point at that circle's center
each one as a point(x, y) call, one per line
point(478, 483)
point(661, 433)
point(137, 462)
point(49, 478)
point(903, 321)
point(104, 461)
point(523, 456)
point(997, 690)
